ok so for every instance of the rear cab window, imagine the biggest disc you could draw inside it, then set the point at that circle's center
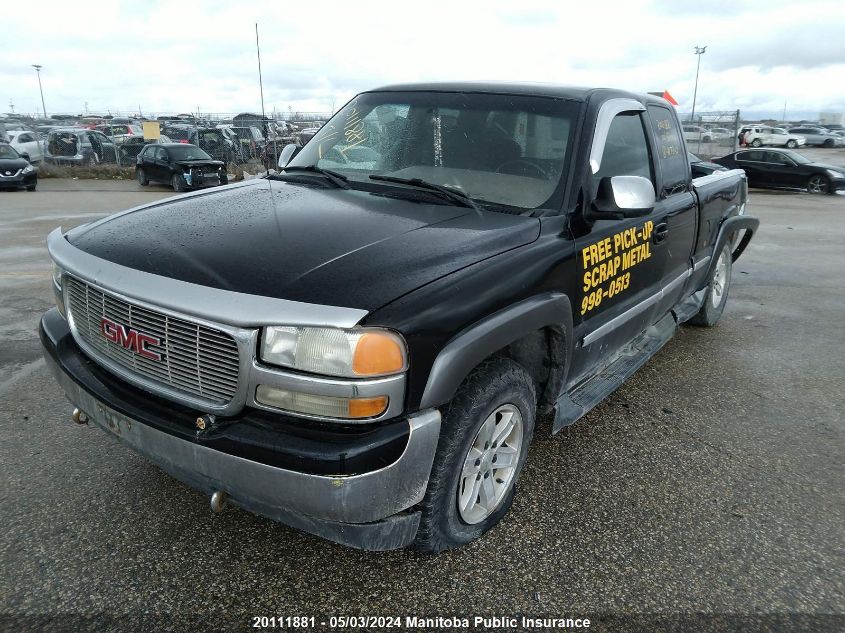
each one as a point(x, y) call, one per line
point(673, 163)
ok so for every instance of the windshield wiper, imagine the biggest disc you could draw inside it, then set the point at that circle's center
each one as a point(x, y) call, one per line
point(338, 180)
point(454, 195)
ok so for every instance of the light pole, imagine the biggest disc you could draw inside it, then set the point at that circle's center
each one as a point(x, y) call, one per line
point(38, 68)
point(699, 51)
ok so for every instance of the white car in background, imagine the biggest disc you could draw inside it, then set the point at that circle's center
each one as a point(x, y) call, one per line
point(27, 142)
point(759, 135)
point(697, 134)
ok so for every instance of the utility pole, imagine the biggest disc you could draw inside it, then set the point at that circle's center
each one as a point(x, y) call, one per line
point(699, 51)
point(11, 106)
point(783, 118)
point(38, 68)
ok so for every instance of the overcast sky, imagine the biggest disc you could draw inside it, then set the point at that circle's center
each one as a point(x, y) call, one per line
point(177, 56)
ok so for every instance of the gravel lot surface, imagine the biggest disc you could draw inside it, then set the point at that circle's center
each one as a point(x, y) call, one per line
point(711, 482)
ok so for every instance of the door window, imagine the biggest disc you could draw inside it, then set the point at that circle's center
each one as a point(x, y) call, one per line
point(25, 138)
point(754, 156)
point(671, 158)
point(161, 154)
point(777, 158)
point(625, 151)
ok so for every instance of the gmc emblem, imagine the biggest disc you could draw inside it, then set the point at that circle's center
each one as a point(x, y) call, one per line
point(133, 340)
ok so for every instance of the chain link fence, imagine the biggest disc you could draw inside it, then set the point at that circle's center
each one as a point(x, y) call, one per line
point(711, 134)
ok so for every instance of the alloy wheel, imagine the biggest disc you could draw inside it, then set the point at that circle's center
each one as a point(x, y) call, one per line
point(490, 464)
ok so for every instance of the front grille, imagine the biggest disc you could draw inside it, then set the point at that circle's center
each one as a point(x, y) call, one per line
point(195, 359)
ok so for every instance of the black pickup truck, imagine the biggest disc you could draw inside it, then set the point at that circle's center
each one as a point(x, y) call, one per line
point(359, 344)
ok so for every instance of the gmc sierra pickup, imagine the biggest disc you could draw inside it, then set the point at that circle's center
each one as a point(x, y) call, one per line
point(358, 345)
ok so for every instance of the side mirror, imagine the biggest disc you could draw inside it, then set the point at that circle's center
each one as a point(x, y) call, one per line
point(25, 155)
point(621, 197)
point(288, 152)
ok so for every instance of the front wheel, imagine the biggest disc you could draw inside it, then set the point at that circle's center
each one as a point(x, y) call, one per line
point(818, 184)
point(717, 291)
point(756, 143)
point(178, 183)
point(484, 441)
point(828, 142)
point(791, 144)
point(141, 175)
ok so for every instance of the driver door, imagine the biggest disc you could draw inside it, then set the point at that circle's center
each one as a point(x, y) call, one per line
point(619, 263)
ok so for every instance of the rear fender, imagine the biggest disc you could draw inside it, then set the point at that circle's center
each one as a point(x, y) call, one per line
point(730, 226)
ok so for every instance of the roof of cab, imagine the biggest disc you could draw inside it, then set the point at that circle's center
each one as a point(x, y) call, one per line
point(521, 88)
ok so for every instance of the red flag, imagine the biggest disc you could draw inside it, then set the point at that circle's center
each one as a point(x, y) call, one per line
point(669, 97)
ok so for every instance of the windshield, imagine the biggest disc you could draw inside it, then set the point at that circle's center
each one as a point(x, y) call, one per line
point(499, 149)
point(7, 151)
point(798, 158)
point(187, 152)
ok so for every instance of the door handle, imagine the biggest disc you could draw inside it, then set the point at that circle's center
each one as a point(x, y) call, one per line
point(660, 233)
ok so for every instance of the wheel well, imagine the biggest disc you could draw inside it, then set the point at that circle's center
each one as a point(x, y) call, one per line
point(542, 354)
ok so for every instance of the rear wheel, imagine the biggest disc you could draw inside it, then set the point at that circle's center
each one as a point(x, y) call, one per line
point(141, 175)
point(717, 291)
point(484, 441)
point(818, 184)
point(178, 183)
point(791, 144)
point(756, 143)
point(828, 142)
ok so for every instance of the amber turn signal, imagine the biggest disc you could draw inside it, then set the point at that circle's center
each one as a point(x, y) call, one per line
point(367, 407)
point(377, 354)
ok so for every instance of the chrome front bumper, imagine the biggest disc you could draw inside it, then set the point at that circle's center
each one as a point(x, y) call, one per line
point(369, 510)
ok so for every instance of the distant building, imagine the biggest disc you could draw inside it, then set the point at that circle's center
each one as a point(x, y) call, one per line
point(832, 118)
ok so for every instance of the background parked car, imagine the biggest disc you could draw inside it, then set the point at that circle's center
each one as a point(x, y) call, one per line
point(79, 146)
point(130, 149)
point(29, 143)
point(211, 140)
point(252, 140)
point(757, 136)
point(785, 169)
point(182, 165)
point(119, 132)
point(818, 136)
point(15, 170)
point(696, 134)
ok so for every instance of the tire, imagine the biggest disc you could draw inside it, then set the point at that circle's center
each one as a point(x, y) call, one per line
point(178, 183)
point(706, 139)
point(141, 175)
point(819, 184)
point(224, 179)
point(828, 143)
point(31, 188)
point(717, 291)
point(497, 392)
point(791, 144)
point(756, 143)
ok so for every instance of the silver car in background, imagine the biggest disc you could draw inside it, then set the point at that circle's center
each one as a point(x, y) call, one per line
point(818, 136)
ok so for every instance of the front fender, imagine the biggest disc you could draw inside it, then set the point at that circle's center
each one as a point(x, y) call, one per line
point(473, 344)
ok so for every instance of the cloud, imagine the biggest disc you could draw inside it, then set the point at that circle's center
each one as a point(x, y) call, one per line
point(202, 54)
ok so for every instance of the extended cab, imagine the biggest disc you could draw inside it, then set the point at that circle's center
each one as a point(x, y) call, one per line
point(359, 345)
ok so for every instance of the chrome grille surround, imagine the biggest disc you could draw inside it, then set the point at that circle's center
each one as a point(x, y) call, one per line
point(203, 364)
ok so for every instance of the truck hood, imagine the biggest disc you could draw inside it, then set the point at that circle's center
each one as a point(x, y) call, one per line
point(291, 241)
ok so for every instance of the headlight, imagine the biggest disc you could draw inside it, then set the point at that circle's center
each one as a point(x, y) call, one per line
point(28, 169)
point(57, 288)
point(334, 352)
point(57, 275)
